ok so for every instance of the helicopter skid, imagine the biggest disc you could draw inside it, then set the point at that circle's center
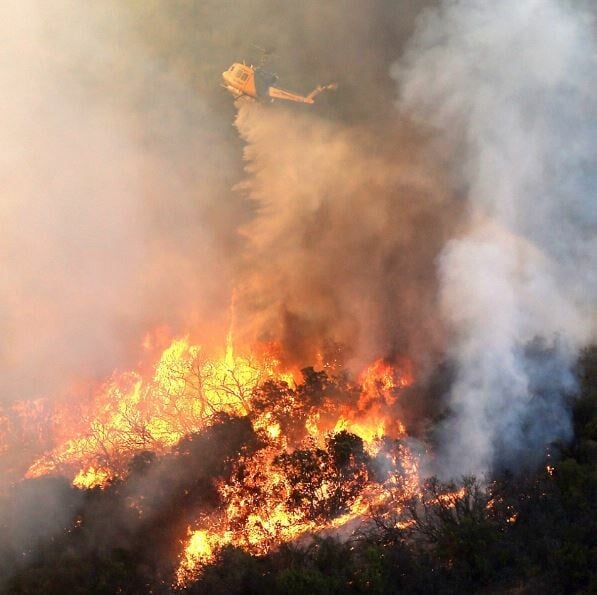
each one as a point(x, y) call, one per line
point(235, 92)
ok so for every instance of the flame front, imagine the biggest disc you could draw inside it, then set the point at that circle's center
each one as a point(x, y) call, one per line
point(129, 414)
point(330, 451)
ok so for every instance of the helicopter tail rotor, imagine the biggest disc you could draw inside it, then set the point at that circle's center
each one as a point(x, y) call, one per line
point(320, 89)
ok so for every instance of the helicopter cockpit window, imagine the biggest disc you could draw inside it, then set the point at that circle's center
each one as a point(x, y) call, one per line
point(243, 76)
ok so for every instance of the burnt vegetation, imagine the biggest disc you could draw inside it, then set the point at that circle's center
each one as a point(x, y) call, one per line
point(530, 533)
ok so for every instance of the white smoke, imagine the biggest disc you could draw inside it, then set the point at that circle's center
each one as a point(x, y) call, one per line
point(507, 87)
point(108, 165)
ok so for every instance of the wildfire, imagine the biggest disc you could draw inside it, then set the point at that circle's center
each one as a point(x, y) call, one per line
point(264, 509)
point(280, 494)
point(329, 451)
point(129, 414)
point(199, 549)
point(91, 478)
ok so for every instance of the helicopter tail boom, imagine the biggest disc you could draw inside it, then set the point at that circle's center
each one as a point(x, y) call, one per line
point(277, 93)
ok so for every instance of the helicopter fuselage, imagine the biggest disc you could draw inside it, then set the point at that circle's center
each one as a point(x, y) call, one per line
point(239, 79)
point(256, 83)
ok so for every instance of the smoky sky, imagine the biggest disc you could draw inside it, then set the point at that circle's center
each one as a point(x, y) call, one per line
point(110, 167)
point(119, 159)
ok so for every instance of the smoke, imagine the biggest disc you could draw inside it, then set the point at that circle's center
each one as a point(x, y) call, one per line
point(343, 242)
point(119, 159)
point(118, 162)
point(109, 165)
point(118, 216)
point(507, 89)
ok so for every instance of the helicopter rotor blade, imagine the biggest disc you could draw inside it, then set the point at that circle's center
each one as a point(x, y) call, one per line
point(265, 53)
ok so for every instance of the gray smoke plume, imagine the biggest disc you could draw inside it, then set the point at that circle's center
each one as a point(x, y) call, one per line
point(119, 157)
point(507, 88)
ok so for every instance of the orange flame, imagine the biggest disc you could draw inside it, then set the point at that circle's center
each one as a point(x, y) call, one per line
point(266, 501)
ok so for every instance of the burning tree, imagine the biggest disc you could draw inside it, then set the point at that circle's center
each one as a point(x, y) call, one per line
point(307, 453)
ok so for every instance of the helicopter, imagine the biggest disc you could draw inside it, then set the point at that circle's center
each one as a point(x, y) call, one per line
point(257, 83)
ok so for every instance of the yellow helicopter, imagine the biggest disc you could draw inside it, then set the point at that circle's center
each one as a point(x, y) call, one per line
point(255, 82)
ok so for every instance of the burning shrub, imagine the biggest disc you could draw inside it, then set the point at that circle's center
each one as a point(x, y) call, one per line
point(325, 482)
